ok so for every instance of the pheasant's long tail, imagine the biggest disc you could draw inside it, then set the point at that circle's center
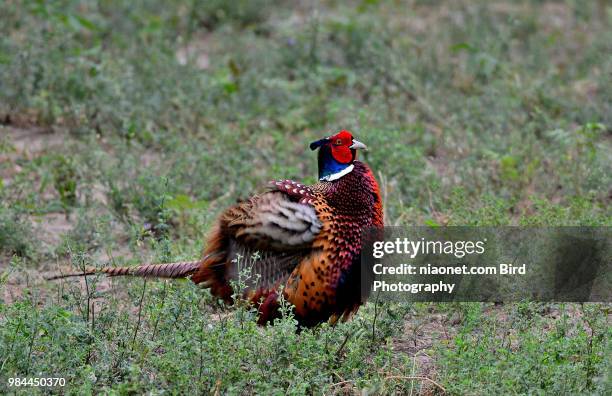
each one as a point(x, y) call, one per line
point(171, 270)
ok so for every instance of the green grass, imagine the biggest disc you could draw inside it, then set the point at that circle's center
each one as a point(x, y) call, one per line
point(126, 127)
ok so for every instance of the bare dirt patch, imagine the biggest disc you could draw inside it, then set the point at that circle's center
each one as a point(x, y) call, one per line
point(195, 51)
point(24, 143)
point(31, 141)
point(50, 228)
point(420, 334)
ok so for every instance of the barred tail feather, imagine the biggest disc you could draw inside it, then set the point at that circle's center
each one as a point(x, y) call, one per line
point(171, 270)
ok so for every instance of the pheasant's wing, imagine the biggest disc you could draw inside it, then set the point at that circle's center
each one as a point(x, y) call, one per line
point(272, 221)
point(269, 234)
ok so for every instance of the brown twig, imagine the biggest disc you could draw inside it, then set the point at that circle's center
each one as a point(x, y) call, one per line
point(348, 335)
point(144, 288)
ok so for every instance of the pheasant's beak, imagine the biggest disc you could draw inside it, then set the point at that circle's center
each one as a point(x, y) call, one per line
point(358, 145)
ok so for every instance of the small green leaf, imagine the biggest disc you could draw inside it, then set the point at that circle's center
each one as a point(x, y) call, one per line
point(431, 223)
point(463, 47)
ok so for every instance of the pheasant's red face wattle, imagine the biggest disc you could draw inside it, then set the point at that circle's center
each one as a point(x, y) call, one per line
point(340, 147)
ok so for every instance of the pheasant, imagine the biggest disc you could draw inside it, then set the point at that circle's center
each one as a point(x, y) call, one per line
point(307, 241)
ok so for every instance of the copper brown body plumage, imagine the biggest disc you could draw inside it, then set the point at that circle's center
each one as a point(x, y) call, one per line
point(306, 240)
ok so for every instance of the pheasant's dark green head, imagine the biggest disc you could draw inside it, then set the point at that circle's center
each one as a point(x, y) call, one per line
point(336, 155)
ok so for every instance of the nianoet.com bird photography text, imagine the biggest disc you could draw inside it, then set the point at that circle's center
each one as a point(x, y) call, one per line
point(488, 264)
point(259, 197)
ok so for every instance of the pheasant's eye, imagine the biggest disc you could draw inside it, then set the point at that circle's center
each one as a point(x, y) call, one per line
point(338, 142)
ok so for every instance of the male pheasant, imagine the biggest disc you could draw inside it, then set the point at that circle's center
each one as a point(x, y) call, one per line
point(307, 238)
